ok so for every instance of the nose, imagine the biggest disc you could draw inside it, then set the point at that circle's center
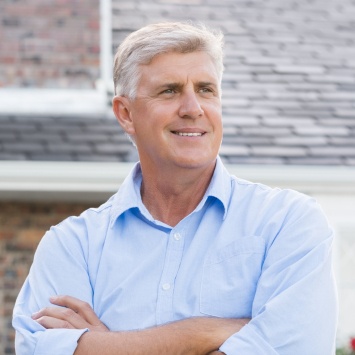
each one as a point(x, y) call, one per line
point(190, 106)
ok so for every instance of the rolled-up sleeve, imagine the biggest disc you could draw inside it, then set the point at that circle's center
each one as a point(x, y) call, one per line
point(295, 305)
point(60, 262)
point(32, 339)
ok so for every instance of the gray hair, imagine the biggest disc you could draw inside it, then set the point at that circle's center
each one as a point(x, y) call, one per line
point(141, 46)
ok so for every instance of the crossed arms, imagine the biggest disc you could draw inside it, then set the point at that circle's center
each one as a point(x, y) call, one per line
point(198, 335)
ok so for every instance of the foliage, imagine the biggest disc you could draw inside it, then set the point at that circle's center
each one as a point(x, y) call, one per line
point(349, 349)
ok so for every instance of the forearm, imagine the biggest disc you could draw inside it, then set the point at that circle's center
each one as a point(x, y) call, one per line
point(199, 335)
point(190, 336)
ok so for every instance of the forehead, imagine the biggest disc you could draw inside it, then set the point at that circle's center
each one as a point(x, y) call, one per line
point(180, 66)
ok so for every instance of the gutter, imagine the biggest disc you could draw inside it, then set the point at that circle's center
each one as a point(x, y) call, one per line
point(96, 181)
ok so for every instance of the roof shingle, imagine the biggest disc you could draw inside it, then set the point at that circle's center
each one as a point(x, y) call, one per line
point(288, 88)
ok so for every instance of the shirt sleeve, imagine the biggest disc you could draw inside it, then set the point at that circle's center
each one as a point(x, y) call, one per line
point(61, 253)
point(295, 305)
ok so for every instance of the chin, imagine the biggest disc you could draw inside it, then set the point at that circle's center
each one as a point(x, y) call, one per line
point(195, 162)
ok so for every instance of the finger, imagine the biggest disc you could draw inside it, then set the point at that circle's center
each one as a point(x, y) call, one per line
point(54, 323)
point(80, 307)
point(62, 314)
point(83, 309)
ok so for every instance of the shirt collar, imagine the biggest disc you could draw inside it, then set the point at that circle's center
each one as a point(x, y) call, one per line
point(220, 186)
point(128, 196)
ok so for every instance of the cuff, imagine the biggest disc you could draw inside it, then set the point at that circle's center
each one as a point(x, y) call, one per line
point(58, 341)
point(246, 342)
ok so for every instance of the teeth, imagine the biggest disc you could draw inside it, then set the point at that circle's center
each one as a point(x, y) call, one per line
point(189, 134)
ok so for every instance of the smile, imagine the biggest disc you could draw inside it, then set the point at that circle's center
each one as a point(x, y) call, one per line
point(188, 134)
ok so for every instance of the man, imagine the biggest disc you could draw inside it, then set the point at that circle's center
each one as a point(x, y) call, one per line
point(185, 258)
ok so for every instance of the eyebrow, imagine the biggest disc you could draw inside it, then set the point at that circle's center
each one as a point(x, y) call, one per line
point(170, 86)
point(206, 83)
point(179, 85)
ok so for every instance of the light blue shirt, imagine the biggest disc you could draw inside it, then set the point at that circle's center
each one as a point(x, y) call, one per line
point(246, 251)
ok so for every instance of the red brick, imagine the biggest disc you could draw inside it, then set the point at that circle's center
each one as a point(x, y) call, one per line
point(29, 238)
point(43, 34)
point(6, 235)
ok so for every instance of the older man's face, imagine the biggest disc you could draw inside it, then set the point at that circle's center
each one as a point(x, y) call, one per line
point(176, 115)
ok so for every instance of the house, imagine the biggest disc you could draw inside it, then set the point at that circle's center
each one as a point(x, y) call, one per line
point(288, 108)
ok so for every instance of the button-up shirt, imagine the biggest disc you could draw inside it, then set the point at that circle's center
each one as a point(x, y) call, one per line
point(246, 251)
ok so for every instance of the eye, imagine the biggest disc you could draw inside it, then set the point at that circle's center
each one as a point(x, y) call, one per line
point(168, 92)
point(206, 91)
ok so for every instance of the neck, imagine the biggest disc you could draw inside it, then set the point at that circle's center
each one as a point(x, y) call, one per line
point(171, 196)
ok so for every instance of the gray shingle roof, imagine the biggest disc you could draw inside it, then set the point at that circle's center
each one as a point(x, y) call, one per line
point(64, 138)
point(288, 88)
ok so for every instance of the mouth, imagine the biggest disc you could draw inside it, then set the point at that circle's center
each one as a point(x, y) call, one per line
point(188, 134)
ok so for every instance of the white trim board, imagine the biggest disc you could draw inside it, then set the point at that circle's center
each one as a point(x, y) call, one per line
point(53, 102)
point(95, 181)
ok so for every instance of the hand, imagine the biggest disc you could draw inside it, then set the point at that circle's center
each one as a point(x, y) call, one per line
point(216, 352)
point(73, 314)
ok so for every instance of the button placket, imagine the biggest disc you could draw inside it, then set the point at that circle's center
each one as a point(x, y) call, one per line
point(166, 287)
point(177, 236)
point(174, 253)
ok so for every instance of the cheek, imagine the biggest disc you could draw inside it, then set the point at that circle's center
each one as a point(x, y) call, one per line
point(216, 117)
point(213, 107)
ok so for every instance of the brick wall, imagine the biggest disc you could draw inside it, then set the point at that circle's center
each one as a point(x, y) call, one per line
point(49, 44)
point(21, 227)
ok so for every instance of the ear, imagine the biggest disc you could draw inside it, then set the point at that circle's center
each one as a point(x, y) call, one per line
point(121, 109)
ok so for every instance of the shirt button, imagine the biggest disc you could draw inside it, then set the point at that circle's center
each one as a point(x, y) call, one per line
point(166, 287)
point(177, 236)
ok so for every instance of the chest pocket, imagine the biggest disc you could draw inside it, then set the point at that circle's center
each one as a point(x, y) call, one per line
point(230, 276)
